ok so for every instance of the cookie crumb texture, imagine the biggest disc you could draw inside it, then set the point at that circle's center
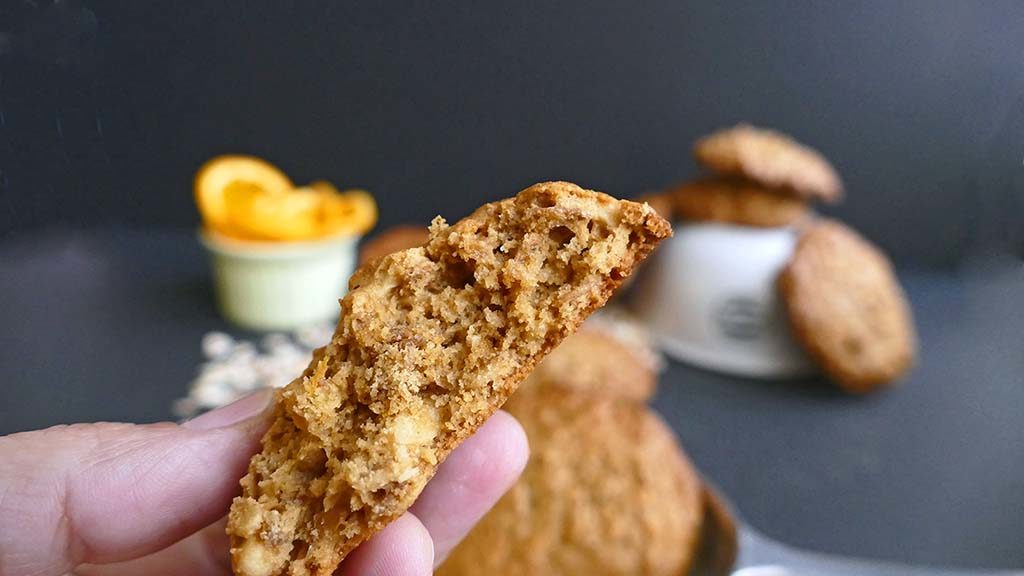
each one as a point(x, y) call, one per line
point(607, 492)
point(431, 341)
point(661, 202)
point(848, 309)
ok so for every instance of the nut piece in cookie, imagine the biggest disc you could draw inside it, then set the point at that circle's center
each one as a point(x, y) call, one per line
point(592, 361)
point(737, 202)
point(432, 340)
point(392, 240)
point(847, 308)
point(607, 491)
point(770, 159)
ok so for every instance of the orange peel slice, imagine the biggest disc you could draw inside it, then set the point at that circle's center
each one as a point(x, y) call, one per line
point(262, 216)
point(218, 174)
point(351, 212)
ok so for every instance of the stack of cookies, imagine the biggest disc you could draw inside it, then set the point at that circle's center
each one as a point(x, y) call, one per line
point(757, 178)
point(844, 306)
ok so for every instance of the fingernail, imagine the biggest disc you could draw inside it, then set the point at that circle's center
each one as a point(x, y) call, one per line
point(242, 409)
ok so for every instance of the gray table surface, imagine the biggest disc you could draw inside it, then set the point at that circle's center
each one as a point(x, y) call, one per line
point(105, 325)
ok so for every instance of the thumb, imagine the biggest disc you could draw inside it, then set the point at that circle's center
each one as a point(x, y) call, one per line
point(105, 492)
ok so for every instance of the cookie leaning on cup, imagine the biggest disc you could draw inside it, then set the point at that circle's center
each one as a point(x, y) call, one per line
point(847, 308)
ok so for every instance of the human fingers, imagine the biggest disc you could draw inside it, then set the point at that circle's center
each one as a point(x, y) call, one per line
point(101, 493)
point(471, 481)
point(204, 553)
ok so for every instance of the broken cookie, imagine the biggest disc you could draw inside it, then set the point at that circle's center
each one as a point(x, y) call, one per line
point(432, 340)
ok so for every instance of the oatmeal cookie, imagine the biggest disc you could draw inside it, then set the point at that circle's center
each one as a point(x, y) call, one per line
point(607, 491)
point(847, 308)
point(770, 159)
point(432, 340)
point(593, 362)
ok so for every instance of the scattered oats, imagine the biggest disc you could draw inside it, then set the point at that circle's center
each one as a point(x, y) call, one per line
point(213, 372)
point(276, 341)
point(234, 368)
point(243, 352)
point(242, 374)
point(217, 345)
point(213, 395)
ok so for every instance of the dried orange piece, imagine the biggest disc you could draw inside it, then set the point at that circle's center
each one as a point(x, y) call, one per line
point(218, 174)
point(260, 215)
point(324, 187)
point(352, 212)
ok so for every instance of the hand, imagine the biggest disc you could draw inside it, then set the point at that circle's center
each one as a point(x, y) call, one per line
point(124, 499)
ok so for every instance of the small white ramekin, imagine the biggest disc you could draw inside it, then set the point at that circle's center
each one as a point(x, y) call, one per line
point(709, 296)
point(279, 285)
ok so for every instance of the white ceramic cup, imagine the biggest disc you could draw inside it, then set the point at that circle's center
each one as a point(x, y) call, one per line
point(280, 285)
point(709, 297)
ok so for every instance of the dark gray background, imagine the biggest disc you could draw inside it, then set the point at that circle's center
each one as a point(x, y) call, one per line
point(106, 109)
point(109, 107)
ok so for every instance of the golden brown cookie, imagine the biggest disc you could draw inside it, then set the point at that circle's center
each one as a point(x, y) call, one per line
point(392, 240)
point(847, 308)
point(432, 340)
point(621, 325)
point(592, 361)
point(607, 491)
point(737, 202)
point(770, 159)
